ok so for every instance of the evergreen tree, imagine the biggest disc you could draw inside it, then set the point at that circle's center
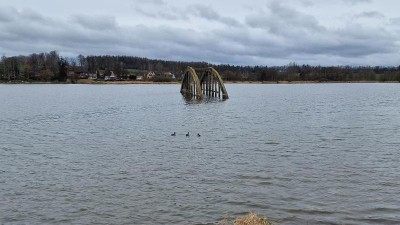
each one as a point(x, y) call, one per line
point(63, 69)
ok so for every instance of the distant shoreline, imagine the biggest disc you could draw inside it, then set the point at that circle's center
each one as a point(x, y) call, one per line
point(307, 82)
point(84, 81)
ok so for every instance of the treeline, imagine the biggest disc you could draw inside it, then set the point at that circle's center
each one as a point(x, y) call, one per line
point(295, 72)
point(51, 67)
point(43, 66)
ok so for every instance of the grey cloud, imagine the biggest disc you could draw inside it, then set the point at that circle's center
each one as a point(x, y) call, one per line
point(355, 41)
point(284, 20)
point(299, 33)
point(208, 13)
point(165, 14)
point(144, 12)
point(100, 22)
point(170, 16)
point(32, 15)
point(10, 14)
point(34, 36)
point(395, 21)
point(198, 10)
point(152, 2)
point(271, 38)
point(353, 2)
point(158, 42)
point(156, 2)
point(205, 12)
point(370, 14)
point(350, 42)
point(343, 48)
point(307, 2)
point(7, 14)
point(221, 45)
point(230, 21)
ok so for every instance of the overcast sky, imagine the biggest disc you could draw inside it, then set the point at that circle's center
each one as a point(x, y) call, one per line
point(240, 32)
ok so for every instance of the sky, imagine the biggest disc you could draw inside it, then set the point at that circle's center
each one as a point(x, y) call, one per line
point(236, 32)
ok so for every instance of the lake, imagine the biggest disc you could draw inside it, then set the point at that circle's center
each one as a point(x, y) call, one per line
point(104, 154)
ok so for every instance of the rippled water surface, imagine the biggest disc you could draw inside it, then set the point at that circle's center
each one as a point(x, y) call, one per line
point(103, 154)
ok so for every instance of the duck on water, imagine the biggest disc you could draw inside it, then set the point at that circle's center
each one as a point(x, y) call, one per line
point(187, 135)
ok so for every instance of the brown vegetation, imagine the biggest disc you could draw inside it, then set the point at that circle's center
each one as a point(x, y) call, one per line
point(249, 219)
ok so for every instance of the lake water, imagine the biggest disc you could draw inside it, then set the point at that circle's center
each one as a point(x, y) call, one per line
point(104, 154)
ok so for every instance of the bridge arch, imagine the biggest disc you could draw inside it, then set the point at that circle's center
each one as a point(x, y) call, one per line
point(210, 84)
point(191, 83)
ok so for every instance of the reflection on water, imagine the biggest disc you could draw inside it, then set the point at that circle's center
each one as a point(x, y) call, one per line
point(192, 99)
point(300, 154)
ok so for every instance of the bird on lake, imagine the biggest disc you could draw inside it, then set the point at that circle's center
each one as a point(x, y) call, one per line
point(173, 134)
point(187, 135)
point(198, 135)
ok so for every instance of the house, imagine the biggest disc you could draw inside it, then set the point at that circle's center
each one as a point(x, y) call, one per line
point(92, 76)
point(83, 75)
point(150, 75)
point(106, 74)
point(169, 75)
point(70, 74)
point(112, 76)
point(100, 73)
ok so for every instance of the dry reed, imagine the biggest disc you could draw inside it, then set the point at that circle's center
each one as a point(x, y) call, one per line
point(249, 219)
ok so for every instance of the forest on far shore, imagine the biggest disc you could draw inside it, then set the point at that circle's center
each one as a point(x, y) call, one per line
point(51, 66)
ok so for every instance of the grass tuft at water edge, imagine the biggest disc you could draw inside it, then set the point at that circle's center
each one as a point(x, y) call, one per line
point(249, 219)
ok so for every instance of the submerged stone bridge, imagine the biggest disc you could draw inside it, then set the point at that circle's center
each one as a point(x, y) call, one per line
point(209, 84)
